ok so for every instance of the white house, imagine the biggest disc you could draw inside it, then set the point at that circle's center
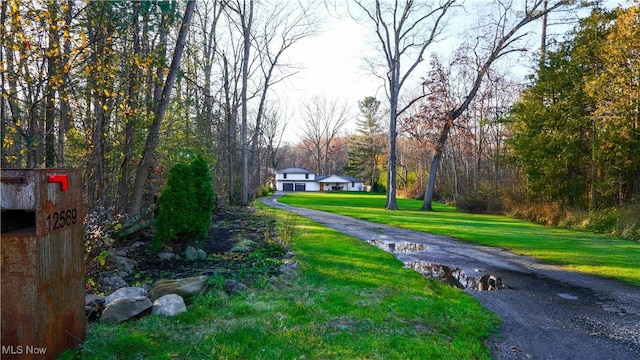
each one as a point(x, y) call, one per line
point(298, 179)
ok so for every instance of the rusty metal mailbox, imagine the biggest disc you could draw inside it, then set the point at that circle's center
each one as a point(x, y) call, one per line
point(42, 254)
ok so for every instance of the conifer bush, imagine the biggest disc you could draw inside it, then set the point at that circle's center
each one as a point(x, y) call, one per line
point(185, 204)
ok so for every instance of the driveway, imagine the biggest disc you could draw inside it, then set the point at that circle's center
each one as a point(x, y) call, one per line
point(547, 312)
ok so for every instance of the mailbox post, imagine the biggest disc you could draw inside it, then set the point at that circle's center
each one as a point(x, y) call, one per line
point(42, 254)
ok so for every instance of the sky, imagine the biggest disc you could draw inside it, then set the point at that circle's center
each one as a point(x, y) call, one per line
point(332, 65)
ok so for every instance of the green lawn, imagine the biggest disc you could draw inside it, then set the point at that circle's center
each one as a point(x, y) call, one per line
point(349, 300)
point(580, 251)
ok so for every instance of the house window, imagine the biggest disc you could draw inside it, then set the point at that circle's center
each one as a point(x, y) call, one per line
point(306, 176)
point(353, 184)
point(284, 176)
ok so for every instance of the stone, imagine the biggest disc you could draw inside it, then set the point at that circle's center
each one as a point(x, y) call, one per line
point(123, 309)
point(113, 281)
point(201, 254)
point(93, 307)
point(191, 253)
point(164, 255)
point(289, 255)
point(125, 265)
point(232, 286)
point(288, 267)
point(186, 287)
point(169, 305)
point(125, 292)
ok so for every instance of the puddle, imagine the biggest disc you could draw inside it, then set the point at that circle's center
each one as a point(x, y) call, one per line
point(453, 276)
point(399, 247)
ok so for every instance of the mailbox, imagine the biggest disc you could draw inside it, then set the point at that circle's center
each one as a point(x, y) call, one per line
point(42, 253)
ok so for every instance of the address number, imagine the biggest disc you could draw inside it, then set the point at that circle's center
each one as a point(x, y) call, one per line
point(62, 218)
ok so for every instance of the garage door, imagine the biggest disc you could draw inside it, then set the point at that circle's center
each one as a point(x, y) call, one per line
point(300, 187)
point(287, 187)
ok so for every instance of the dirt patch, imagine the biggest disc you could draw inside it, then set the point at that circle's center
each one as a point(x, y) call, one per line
point(230, 226)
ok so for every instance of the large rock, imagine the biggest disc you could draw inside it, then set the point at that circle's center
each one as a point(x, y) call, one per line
point(123, 309)
point(169, 305)
point(191, 253)
point(125, 265)
point(233, 287)
point(127, 292)
point(186, 287)
point(113, 281)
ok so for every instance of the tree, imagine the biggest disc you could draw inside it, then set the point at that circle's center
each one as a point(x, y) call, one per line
point(498, 40)
point(185, 204)
point(153, 136)
point(404, 31)
point(575, 128)
point(366, 148)
point(322, 121)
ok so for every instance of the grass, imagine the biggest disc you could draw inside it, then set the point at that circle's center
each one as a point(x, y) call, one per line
point(348, 301)
point(580, 251)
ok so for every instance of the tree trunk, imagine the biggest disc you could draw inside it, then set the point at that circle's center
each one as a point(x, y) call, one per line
point(153, 136)
point(247, 20)
point(433, 170)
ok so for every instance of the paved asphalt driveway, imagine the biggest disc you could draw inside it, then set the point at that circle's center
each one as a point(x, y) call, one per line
point(547, 312)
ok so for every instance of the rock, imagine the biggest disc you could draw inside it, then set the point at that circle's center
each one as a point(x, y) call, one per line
point(125, 265)
point(123, 309)
point(232, 287)
point(186, 287)
point(93, 307)
point(191, 253)
point(169, 305)
point(113, 281)
point(122, 252)
point(164, 255)
point(201, 254)
point(289, 255)
point(126, 292)
point(288, 267)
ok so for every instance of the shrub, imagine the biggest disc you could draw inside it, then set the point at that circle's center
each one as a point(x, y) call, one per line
point(480, 202)
point(185, 204)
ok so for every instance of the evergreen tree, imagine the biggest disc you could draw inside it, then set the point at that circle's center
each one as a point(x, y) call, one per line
point(366, 148)
point(185, 204)
point(574, 131)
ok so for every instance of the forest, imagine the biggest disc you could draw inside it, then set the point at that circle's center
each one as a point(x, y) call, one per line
point(126, 90)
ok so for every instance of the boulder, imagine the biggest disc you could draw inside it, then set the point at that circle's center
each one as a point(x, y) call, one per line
point(169, 305)
point(202, 254)
point(126, 292)
point(191, 253)
point(164, 255)
point(232, 287)
point(288, 267)
point(114, 281)
point(93, 307)
point(186, 287)
point(123, 309)
point(125, 265)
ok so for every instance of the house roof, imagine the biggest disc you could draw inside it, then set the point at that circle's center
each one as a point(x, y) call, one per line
point(342, 177)
point(318, 178)
point(294, 170)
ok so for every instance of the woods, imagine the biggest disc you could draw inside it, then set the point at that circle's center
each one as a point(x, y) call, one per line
point(126, 90)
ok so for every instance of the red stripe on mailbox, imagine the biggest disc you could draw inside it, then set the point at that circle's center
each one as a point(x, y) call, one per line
point(62, 179)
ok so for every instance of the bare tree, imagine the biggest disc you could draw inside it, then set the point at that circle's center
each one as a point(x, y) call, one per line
point(283, 28)
point(322, 121)
point(153, 137)
point(404, 31)
point(500, 38)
